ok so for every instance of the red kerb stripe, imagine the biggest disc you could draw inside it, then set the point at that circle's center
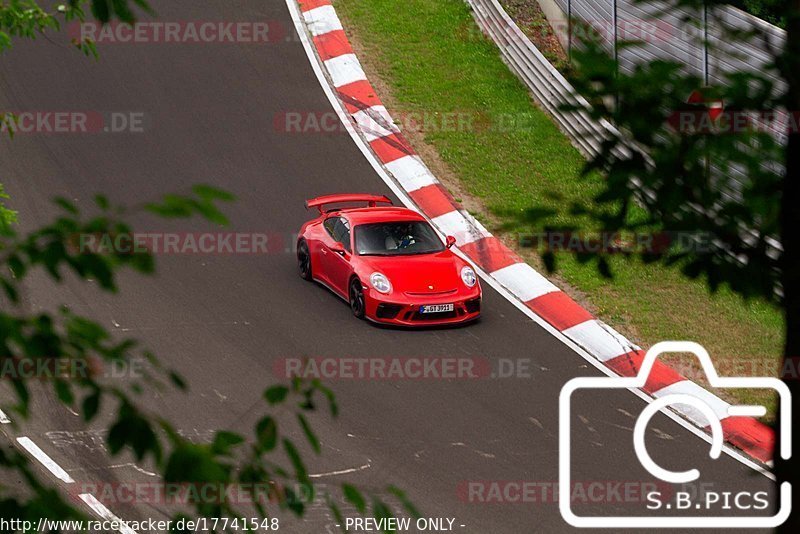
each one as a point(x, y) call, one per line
point(558, 309)
point(332, 44)
point(308, 5)
point(660, 377)
point(490, 254)
point(358, 96)
point(433, 200)
point(750, 435)
point(392, 147)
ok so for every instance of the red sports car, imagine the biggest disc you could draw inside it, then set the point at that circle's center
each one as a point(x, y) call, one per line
point(387, 262)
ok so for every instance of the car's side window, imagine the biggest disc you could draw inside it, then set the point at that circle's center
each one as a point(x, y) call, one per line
point(329, 225)
point(339, 230)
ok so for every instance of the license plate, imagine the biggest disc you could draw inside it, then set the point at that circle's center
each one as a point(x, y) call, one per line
point(436, 308)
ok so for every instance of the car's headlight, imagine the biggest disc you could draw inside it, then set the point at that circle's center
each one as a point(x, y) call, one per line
point(380, 283)
point(468, 276)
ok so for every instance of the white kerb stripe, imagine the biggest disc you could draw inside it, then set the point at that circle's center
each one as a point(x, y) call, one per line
point(599, 339)
point(45, 460)
point(101, 510)
point(4, 418)
point(687, 387)
point(345, 69)
point(375, 122)
point(322, 20)
point(523, 281)
point(411, 173)
point(454, 224)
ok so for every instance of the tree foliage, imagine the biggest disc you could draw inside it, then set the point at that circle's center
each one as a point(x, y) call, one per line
point(729, 179)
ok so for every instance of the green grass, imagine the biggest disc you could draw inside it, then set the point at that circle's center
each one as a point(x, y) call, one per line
point(432, 58)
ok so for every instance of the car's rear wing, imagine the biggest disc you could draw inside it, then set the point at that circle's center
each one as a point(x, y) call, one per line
point(371, 200)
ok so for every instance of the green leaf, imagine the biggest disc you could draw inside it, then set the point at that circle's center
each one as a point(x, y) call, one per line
point(64, 392)
point(354, 497)
point(177, 380)
point(404, 500)
point(67, 205)
point(91, 405)
point(101, 201)
point(337, 513)
point(267, 433)
point(299, 468)
point(276, 394)
point(381, 511)
point(312, 438)
point(224, 441)
point(209, 192)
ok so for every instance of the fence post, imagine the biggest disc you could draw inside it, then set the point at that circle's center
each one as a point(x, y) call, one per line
point(569, 30)
point(616, 51)
point(705, 43)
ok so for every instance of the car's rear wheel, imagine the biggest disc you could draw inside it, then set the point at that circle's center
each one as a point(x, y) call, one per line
point(304, 260)
point(357, 303)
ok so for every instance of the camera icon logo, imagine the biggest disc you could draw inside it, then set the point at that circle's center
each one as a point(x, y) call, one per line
point(674, 477)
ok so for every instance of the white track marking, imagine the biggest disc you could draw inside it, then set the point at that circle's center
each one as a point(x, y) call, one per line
point(4, 420)
point(45, 460)
point(322, 20)
point(375, 122)
point(341, 471)
point(101, 510)
point(524, 282)
point(345, 69)
point(687, 387)
point(411, 173)
point(454, 224)
point(599, 339)
point(404, 198)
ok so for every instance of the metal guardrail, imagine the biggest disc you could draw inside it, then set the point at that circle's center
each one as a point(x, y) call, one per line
point(548, 86)
point(552, 90)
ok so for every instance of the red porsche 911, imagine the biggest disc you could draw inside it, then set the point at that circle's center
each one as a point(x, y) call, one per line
point(388, 262)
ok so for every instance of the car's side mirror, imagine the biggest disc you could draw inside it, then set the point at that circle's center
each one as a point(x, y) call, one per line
point(338, 248)
point(450, 241)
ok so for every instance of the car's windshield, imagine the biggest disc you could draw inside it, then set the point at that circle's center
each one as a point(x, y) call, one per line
point(396, 239)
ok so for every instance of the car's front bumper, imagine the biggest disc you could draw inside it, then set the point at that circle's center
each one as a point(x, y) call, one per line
point(404, 310)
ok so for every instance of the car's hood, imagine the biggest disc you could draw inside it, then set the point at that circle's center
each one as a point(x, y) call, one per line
point(424, 273)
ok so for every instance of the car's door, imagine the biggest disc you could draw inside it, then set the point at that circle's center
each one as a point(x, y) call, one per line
point(337, 265)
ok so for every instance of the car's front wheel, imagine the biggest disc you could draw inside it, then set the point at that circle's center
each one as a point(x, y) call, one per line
point(304, 260)
point(357, 298)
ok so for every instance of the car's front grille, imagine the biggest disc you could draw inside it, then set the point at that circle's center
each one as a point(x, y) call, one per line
point(417, 316)
point(430, 293)
point(473, 305)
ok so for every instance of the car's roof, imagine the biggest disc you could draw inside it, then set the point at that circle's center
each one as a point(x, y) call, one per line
point(380, 214)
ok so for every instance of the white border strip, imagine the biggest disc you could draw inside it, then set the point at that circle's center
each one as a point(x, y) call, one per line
point(4, 420)
point(45, 460)
point(101, 510)
point(391, 184)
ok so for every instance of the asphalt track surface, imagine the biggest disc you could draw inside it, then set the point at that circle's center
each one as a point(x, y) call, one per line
point(224, 320)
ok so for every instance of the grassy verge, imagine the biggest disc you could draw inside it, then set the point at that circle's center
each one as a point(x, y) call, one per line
point(427, 56)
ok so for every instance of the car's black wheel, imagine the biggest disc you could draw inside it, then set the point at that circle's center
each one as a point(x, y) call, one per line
point(304, 260)
point(357, 298)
